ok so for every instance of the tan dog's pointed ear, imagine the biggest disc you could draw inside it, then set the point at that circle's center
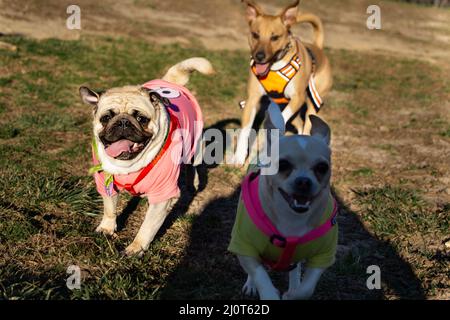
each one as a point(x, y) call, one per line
point(253, 10)
point(320, 129)
point(289, 14)
point(89, 96)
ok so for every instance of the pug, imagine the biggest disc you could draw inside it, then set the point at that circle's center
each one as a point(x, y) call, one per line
point(288, 218)
point(142, 135)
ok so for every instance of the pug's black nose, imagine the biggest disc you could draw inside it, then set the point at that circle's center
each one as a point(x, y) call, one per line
point(125, 123)
point(303, 184)
point(260, 56)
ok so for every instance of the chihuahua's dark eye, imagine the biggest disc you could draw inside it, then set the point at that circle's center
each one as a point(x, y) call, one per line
point(105, 118)
point(284, 165)
point(321, 169)
point(255, 35)
point(275, 38)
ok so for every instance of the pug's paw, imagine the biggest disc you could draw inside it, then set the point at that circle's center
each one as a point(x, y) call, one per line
point(134, 250)
point(107, 227)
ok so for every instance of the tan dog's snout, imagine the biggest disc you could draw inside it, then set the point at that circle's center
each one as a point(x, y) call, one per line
point(260, 55)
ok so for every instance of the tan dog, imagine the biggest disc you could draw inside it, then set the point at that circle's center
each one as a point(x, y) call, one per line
point(288, 71)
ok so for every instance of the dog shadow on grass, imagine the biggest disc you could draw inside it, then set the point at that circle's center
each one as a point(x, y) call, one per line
point(209, 271)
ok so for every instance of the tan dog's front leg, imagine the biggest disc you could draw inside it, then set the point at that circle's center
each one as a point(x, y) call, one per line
point(154, 218)
point(305, 289)
point(252, 106)
point(108, 225)
point(258, 278)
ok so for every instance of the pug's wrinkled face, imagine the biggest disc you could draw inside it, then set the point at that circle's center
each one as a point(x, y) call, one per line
point(124, 119)
point(304, 171)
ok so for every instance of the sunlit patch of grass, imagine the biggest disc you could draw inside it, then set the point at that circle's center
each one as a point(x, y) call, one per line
point(35, 193)
point(357, 110)
point(445, 133)
point(392, 210)
point(5, 81)
point(408, 80)
point(363, 172)
point(9, 131)
point(386, 147)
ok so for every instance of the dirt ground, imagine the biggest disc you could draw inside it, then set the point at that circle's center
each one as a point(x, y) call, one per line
point(409, 31)
point(389, 111)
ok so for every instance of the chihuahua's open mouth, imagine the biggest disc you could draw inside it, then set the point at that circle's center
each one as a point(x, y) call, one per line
point(125, 149)
point(298, 203)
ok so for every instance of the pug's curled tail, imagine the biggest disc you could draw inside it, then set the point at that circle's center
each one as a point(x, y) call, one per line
point(179, 73)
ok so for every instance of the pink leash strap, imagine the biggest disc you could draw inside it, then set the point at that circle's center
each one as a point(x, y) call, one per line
point(250, 196)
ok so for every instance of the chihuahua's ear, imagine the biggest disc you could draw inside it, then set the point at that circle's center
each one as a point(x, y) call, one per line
point(253, 10)
point(289, 15)
point(274, 119)
point(89, 96)
point(320, 129)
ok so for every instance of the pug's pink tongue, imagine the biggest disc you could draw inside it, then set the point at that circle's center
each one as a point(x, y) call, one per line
point(116, 149)
point(261, 69)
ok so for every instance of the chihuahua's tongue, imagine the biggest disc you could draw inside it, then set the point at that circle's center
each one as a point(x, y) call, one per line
point(118, 147)
point(261, 69)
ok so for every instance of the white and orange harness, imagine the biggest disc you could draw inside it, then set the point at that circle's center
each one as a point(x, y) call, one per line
point(276, 82)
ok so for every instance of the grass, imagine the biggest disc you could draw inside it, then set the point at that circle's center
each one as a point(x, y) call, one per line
point(363, 172)
point(49, 206)
point(392, 211)
point(445, 133)
point(359, 111)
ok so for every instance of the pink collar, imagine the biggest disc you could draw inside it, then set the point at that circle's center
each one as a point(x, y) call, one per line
point(250, 195)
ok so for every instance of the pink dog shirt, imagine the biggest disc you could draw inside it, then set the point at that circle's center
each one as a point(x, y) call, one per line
point(161, 182)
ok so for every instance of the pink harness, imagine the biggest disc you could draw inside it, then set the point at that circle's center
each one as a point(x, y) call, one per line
point(254, 208)
point(174, 125)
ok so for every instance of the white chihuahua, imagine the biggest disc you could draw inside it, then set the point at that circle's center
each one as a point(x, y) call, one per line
point(290, 217)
